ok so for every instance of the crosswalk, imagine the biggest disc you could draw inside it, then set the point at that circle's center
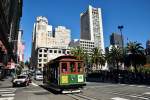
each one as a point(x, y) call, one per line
point(7, 93)
point(118, 98)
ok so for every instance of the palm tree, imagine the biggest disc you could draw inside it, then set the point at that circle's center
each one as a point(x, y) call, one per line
point(115, 56)
point(97, 57)
point(135, 52)
point(87, 62)
point(78, 52)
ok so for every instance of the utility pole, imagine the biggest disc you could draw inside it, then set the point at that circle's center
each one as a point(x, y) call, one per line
point(120, 27)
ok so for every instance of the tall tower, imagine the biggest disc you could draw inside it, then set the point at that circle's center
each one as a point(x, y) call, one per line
point(116, 39)
point(91, 26)
point(148, 44)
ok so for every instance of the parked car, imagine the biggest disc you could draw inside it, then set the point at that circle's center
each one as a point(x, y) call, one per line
point(38, 76)
point(21, 80)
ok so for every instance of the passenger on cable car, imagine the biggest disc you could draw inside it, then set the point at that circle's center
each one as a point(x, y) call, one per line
point(64, 70)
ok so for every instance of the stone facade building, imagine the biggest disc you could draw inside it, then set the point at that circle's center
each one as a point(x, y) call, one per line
point(45, 39)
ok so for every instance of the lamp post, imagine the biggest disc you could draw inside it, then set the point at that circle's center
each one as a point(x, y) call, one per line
point(120, 27)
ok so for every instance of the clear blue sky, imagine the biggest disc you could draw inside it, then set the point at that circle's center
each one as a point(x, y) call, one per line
point(134, 15)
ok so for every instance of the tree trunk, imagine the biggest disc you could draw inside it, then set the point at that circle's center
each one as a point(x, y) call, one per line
point(117, 72)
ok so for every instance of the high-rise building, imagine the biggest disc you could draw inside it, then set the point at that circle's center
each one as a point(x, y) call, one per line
point(91, 35)
point(47, 43)
point(148, 47)
point(91, 27)
point(116, 39)
point(148, 44)
point(20, 47)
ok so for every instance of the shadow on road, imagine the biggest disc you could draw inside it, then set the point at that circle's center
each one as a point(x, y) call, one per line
point(42, 93)
point(50, 89)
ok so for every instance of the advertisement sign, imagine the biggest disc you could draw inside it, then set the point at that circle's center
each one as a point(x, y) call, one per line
point(80, 78)
point(64, 79)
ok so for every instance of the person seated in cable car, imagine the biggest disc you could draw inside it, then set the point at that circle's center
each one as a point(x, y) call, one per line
point(64, 67)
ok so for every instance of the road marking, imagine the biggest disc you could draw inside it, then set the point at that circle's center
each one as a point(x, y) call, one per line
point(141, 86)
point(8, 98)
point(7, 92)
point(122, 84)
point(81, 97)
point(147, 93)
point(118, 98)
point(7, 95)
point(132, 85)
point(139, 96)
point(34, 84)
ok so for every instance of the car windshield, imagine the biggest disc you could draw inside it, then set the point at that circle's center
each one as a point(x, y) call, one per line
point(20, 77)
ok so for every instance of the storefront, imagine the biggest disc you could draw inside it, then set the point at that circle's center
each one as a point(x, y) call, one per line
point(1, 71)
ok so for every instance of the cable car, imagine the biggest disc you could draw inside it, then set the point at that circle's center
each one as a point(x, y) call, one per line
point(64, 74)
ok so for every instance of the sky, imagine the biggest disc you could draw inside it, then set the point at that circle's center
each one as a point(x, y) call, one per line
point(134, 15)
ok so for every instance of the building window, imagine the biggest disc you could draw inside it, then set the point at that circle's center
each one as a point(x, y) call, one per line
point(40, 65)
point(40, 50)
point(45, 55)
point(40, 60)
point(45, 50)
point(45, 60)
point(68, 52)
point(40, 55)
point(55, 51)
point(50, 51)
point(64, 52)
point(59, 51)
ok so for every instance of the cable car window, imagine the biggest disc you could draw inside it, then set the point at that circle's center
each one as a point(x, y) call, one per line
point(72, 67)
point(64, 67)
point(79, 67)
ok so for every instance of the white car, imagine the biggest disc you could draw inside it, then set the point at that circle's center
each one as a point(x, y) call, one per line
point(38, 76)
point(21, 80)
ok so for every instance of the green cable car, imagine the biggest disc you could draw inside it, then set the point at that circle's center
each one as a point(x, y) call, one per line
point(65, 74)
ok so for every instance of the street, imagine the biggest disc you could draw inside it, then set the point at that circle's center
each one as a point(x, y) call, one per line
point(93, 91)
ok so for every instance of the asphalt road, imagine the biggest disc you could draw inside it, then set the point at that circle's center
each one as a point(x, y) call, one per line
point(93, 91)
point(105, 91)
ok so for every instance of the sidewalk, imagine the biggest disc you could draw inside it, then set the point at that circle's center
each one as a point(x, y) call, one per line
point(6, 83)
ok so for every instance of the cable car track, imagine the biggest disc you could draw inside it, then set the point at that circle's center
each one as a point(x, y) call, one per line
point(81, 97)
